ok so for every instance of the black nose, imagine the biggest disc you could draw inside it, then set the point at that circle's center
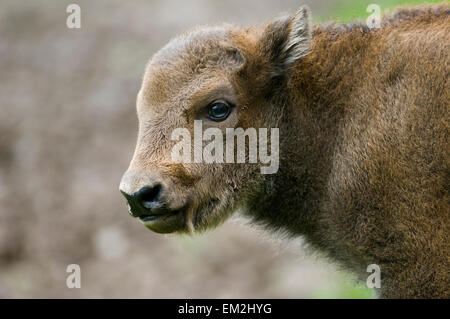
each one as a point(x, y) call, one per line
point(145, 201)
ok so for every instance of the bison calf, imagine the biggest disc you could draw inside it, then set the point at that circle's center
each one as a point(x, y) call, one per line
point(363, 149)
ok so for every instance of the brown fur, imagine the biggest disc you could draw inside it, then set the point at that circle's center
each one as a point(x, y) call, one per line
point(364, 138)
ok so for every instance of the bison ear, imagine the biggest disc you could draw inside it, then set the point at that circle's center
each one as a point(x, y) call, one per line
point(288, 39)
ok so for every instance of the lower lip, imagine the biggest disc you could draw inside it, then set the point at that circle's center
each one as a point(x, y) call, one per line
point(164, 223)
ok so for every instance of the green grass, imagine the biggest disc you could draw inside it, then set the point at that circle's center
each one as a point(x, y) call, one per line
point(347, 10)
point(344, 288)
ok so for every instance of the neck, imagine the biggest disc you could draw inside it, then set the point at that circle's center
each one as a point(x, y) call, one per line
point(316, 98)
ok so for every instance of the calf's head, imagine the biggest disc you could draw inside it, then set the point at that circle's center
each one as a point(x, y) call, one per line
point(225, 77)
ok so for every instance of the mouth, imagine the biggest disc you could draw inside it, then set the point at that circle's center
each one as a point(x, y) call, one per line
point(164, 220)
point(148, 218)
point(167, 221)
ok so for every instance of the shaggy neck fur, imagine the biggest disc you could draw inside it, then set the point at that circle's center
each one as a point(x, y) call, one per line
point(359, 176)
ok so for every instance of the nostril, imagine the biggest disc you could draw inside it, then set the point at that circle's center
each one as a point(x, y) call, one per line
point(149, 196)
point(131, 204)
point(126, 195)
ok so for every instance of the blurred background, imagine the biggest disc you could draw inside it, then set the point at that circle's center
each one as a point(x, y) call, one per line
point(67, 132)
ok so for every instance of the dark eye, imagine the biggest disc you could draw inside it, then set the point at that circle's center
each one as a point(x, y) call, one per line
point(219, 111)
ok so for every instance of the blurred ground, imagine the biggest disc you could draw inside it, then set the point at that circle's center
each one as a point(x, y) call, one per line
point(67, 132)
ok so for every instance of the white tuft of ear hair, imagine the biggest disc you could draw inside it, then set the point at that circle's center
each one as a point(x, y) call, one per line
point(299, 38)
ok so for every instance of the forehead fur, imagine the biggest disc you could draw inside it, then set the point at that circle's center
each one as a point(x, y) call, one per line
point(198, 54)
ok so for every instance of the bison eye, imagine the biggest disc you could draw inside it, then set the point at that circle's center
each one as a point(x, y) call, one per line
point(219, 111)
